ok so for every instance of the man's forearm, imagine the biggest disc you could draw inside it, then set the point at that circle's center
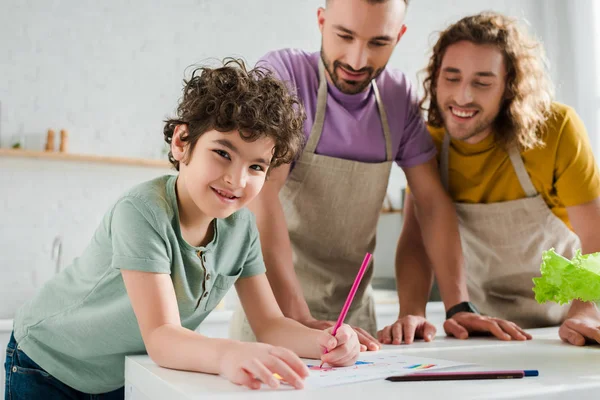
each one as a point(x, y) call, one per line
point(589, 244)
point(277, 254)
point(442, 243)
point(413, 281)
point(414, 276)
point(578, 306)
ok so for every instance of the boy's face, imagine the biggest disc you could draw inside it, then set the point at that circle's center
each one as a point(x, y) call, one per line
point(470, 89)
point(224, 172)
point(358, 39)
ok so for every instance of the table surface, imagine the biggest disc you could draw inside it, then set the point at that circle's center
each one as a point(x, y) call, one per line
point(566, 371)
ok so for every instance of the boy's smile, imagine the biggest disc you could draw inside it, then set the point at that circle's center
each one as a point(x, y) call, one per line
point(221, 175)
point(225, 195)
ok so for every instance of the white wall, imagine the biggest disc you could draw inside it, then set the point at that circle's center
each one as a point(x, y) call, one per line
point(110, 71)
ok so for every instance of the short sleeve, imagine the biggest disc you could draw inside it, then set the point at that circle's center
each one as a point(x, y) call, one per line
point(254, 264)
point(136, 243)
point(416, 145)
point(274, 62)
point(577, 180)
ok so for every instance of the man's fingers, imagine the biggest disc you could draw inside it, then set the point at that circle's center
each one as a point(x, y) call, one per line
point(571, 336)
point(481, 324)
point(385, 335)
point(453, 328)
point(583, 328)
point(409, 328)
point(396, 333)
point(525, 333)
point(488, 325)
point(373, 344)
point(364, 340)
point(511, 329)
point(429, 332)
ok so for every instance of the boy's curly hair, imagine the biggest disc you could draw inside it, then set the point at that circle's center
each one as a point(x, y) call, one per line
point(253, 102)
point(529, 91)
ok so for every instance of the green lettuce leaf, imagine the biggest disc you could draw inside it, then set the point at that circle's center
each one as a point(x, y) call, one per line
point(563, 281)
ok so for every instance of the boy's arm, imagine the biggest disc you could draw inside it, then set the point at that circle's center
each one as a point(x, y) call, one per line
point(167, 342)
point(270, 326)
point(172, 346)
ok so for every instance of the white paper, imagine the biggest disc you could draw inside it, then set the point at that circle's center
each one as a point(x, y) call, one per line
point(372, 366)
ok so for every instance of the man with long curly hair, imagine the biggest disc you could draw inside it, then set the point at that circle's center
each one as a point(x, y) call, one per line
point(521, 172)
point(318, 218)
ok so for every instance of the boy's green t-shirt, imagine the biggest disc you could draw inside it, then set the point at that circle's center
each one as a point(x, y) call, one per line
point(81, 325)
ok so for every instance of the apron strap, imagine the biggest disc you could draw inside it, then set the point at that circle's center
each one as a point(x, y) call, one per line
point(317, 128)
point(519, 166)
point(515, 159)
point(444, 161)
point(384, 123)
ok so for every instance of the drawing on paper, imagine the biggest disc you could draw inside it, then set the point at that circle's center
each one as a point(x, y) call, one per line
point(329, 368)
point(420, 366)
point(372, 366)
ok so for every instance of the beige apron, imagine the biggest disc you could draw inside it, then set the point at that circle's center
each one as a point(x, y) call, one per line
point(332, 208)
point(502, 245)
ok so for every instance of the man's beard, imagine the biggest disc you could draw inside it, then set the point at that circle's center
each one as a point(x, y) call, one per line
point(345, 86)
point(483, 125)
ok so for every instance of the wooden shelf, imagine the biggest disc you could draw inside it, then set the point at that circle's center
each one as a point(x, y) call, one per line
point(137, 162)
point(54, 155)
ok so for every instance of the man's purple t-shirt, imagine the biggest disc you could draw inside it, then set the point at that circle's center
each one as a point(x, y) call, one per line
point(352, 128)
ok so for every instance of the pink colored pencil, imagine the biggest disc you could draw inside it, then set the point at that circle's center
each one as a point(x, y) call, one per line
point(350, 297)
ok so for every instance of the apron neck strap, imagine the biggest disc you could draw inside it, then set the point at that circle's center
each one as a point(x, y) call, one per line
point(384, 122)
point(444, 161)
point(317, 128)
point(519, 166)
point(515, 159)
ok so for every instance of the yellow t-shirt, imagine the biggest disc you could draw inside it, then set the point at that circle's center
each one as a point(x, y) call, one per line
point(563, 171)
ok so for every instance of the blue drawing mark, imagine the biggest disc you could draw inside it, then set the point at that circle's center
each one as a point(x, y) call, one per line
point(363, 362)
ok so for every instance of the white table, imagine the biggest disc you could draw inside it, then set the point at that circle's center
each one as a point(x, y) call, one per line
point(565, 372)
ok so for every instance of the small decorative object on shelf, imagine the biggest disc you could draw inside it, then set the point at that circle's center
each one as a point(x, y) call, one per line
point(17, 142)
point(388, 207)
point(50, 140)
point(64, 141)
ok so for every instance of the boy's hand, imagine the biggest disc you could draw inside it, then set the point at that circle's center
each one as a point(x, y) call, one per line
point(367, 342)
point(249, 364)
point(343, 349)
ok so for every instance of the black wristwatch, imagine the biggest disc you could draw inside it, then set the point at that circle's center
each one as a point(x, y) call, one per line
point(465, 306)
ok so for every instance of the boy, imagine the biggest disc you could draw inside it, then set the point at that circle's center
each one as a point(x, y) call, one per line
point(168, 251)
